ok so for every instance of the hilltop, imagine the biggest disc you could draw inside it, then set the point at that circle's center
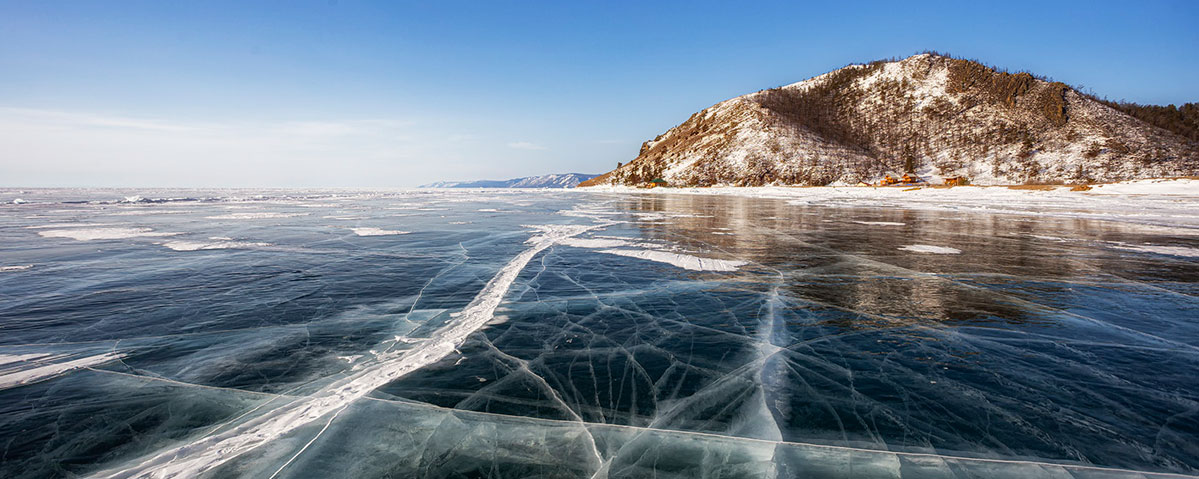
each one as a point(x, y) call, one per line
point(929, 114)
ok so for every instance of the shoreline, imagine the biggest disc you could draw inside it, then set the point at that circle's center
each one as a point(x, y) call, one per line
point(1183, 186)
point(1169, 202)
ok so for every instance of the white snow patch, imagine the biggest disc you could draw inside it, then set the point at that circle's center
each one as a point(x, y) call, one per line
point(87, 234)
point(366, 231)
point(65, 225)
point(589, 213)
point(925, 248)
point(1160, 186)
point(684, 261)
point(13, 377)
point(6, 359)
point(595, 242)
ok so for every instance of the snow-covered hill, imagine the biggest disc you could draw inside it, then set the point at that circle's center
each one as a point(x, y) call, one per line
point(929, 114)
point(563, 180)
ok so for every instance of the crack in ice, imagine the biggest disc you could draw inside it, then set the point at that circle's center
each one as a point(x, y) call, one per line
point(712, 435)
point(206, 453)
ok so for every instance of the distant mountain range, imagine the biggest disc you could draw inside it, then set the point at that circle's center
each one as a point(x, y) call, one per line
point(929, 114)
point(563, 180)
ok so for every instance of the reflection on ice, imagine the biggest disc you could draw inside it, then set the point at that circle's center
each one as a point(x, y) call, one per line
point(1168, 250)
point(927, 248)
point(622, 336)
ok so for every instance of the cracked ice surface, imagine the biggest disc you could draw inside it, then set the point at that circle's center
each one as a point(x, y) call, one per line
point(739, 337)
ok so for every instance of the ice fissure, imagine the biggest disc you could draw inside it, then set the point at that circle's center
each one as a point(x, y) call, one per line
point(206, 453)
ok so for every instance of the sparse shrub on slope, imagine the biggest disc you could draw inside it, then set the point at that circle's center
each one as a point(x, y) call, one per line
point(928, 112)
point(825, 108)
point(1182, 121)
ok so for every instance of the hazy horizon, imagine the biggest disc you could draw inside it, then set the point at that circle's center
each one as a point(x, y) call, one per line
point(346, 94)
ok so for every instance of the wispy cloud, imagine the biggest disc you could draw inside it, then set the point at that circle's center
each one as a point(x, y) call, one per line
point(49, 147)
point(63, 147)
point(524, 145)
point(462, 138)
point(85, 120)
point(115, 123)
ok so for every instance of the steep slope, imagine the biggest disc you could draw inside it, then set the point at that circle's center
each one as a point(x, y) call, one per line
point(563, 180)
point(930, 114)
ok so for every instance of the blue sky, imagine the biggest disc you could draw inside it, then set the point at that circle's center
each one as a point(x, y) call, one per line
point(381, 94)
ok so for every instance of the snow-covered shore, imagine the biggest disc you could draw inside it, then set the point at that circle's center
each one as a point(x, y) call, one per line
point(1164, 202)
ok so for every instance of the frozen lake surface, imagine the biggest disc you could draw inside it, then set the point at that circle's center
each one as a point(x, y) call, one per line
point(425, 333)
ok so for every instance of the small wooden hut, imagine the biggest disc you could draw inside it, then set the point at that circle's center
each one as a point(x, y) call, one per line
point(956, 181)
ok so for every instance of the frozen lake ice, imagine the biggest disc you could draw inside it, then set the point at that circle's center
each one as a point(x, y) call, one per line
point(426, 333)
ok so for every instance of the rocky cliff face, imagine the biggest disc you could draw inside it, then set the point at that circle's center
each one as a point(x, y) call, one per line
point(929, 114)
